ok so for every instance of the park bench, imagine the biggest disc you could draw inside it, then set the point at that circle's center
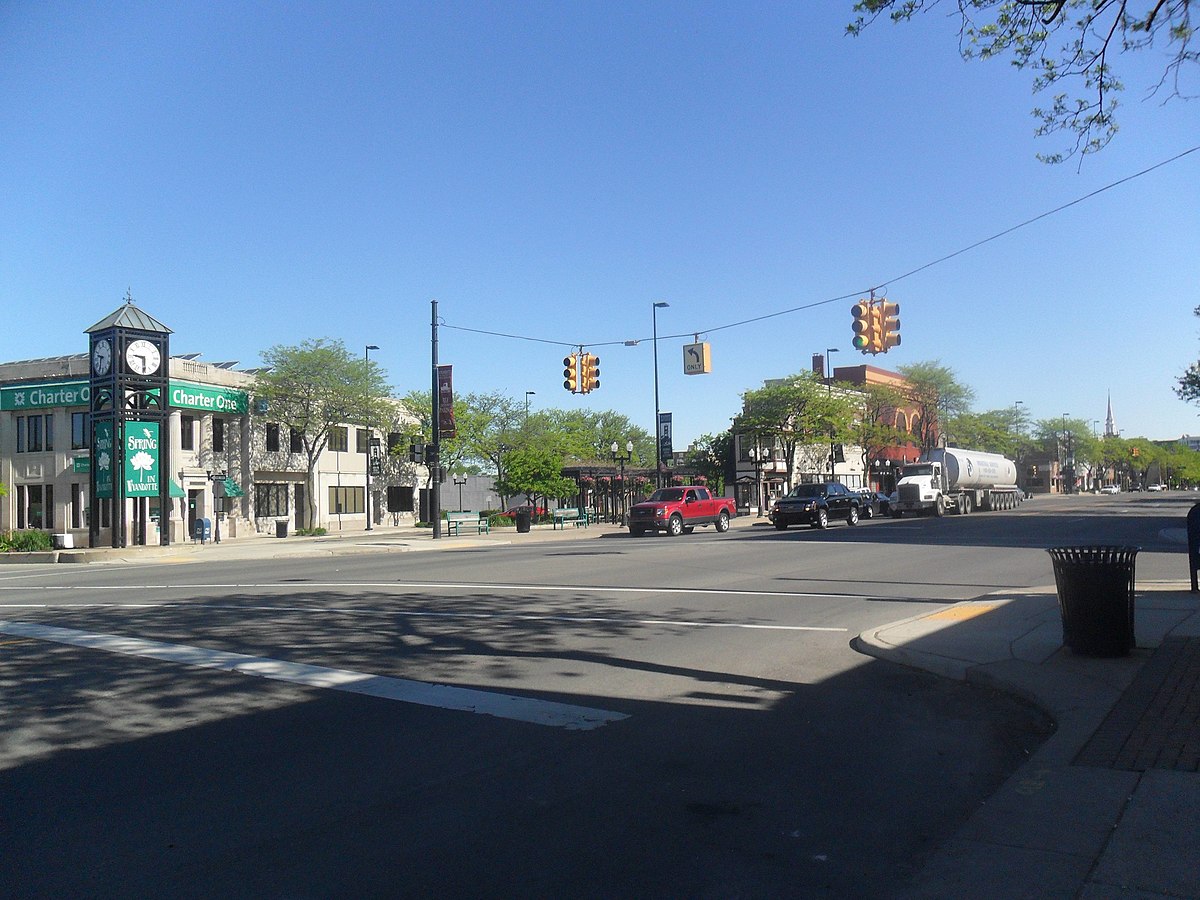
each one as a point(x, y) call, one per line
point(569, 514)
point(456, 521)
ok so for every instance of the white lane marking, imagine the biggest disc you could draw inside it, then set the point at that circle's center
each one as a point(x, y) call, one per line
point(482, 616)
point(504, 706)
point(421, 585)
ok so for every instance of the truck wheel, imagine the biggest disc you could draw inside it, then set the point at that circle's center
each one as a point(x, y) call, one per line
point(966, 504)
point(822, 519)
point(939, 508)
point(675, 526)
point(852, 517)
point(723, 522)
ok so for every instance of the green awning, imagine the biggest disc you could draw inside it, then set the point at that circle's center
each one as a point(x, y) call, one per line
point(176, 490)
point(233, 489)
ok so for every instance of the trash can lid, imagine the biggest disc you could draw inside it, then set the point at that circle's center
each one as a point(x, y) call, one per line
point(1093, 554)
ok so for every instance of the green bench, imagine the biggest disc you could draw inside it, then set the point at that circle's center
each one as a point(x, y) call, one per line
point(569, 514)
point(456, 521)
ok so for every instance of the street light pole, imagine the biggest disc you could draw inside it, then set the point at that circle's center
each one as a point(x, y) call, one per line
point(370, 431)
point(829, 351)
point(657, 437)
point(622, 459)
point(528, 394)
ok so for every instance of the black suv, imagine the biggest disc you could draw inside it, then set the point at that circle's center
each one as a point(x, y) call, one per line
point(815, 504)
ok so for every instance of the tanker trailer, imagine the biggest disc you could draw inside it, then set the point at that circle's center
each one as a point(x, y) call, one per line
point(952, 479)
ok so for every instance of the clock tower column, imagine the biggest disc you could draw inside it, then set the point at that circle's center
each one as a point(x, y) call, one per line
point(130, 427)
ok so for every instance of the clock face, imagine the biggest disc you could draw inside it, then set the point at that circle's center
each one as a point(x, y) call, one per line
point(102, 357)
point(142, 357)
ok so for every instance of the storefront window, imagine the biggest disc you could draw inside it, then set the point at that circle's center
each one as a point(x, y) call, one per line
point(79, 431)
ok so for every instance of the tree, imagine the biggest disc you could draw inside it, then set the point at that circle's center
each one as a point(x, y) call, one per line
point(1188, 386)
point(874, 425)
point(938, 397)
point(534, 472)
point(1091, 33)
point(317, 386)
point(792, 412)
point(710, 455)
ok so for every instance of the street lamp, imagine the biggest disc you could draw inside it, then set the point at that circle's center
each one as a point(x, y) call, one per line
point(366, 386)
point(622, 458)
point(657, 435)
point(528, 394)
point(460, 482)
point(829, 351)
point(756, 457)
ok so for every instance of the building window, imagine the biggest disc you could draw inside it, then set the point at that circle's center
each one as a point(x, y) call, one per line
point(77, 505)
point(272, 437)
point(218, 428)
point(271, 500)
point(361, 436)
point(187, 432)
point(35, 506)
point(79, 431)
point(339, 441)
point(296, 441)
point(35, 433)
point(346, 500)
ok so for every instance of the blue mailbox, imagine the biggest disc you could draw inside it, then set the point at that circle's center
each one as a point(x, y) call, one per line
point(202, 530)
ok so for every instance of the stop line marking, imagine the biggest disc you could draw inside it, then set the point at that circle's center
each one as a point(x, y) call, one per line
point(442, 696)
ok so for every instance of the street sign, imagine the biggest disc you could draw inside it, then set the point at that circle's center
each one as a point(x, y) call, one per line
point(697, 358)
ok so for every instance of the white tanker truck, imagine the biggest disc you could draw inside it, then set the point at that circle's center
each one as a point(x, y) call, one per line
point(952, 479)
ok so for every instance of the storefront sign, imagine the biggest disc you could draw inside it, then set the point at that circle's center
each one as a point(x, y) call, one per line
point(211, 399)
point(82, 464)
point(41, 396)
point(102, 453)
point(141, 459)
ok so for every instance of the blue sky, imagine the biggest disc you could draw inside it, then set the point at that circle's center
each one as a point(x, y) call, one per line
point(260, 174)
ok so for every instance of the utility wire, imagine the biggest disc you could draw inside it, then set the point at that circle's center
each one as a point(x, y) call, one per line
point(859, 293)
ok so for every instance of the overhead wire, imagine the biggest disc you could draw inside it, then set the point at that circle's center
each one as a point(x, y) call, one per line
point(858, 293)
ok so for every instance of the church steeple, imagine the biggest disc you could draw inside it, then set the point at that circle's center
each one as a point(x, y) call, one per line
point(1110, 427)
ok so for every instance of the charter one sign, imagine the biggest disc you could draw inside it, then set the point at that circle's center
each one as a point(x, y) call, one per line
point(184, 395)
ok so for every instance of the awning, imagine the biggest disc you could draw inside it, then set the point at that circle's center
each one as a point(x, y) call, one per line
point(176, 490)
point(233, 489)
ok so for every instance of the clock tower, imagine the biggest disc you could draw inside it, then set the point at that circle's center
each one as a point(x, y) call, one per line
point(129, 357)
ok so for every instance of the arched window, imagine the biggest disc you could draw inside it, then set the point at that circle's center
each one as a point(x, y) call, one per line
point(901, 422)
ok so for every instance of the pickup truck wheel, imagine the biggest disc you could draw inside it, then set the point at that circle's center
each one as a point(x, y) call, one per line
point(722, 522)
point(852, 516)
point(675, 526)
point(822, 520)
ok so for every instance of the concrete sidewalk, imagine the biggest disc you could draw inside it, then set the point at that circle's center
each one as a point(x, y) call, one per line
point(1109, 806)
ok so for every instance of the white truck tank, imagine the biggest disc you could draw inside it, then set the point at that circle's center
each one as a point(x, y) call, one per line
point(966, 469)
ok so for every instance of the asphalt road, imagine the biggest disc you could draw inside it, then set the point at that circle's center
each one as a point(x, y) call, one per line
point(618, 717)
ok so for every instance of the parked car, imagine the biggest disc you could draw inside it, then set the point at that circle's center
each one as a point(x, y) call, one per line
point(815, 504)
point(1154, 487)
point(875, 503)
point(1110, 489)
point(678, 510)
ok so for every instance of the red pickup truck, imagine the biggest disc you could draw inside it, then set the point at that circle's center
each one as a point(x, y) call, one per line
point(678, 510)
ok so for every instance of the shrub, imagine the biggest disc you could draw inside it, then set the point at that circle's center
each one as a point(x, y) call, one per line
point(24, 541)
point(310, 532)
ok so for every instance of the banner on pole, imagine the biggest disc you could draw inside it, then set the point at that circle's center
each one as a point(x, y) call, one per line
point(665, 452)
point(446, 427)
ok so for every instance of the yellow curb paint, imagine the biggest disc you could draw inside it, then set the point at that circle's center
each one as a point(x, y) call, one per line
point(965, 611)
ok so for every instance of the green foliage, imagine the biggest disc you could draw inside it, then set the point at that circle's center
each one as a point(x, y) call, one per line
point(534, 472)
point(709, 455)
point(938, 397)
point(1090, 32)
point(310, 532)
point(24, 541)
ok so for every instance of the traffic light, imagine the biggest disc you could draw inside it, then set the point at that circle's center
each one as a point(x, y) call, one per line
point(862, 326)
point(589, 373)
point(571, 373)
point(875, 328)
point(889, 326)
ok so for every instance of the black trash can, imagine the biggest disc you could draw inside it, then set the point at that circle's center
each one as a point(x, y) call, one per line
point(1095, 595)
point(524, 519)
point(281, 528)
